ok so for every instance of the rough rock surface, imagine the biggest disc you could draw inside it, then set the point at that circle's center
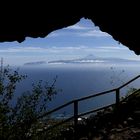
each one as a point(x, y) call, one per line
point(38, 19)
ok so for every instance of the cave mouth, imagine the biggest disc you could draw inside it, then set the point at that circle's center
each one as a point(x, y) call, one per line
point(77, 41)
point(85, 60)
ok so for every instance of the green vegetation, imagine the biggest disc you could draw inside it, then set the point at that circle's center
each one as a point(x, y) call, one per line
point(21, 119)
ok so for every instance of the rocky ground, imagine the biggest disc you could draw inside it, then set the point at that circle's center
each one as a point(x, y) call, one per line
point(112, 124)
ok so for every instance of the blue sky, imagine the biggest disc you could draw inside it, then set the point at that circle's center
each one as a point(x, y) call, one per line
point(75, 41)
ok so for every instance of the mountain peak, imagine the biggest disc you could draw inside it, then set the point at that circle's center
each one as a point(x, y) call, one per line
point(90, 56)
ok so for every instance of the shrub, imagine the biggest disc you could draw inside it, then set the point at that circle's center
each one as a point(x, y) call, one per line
point(21, 121)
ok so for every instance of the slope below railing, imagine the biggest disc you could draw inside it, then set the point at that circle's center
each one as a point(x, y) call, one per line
point(76, 102)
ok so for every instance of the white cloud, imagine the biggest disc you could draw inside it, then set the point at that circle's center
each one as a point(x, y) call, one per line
point(54, 49)
point(11, 55)
point(113, 48)
point(64, 31)
point(94, 33)
point(53, 34)
point(21, 49)
point(80, 30)
point(103, 49)
point(78, 27)
point(39, 49)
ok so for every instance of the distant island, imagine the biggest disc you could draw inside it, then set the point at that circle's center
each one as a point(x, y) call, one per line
point(35, 63)
point(93, 59)
point(87, 60)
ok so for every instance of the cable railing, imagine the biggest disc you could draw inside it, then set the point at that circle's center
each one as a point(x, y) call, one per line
point(75, 104)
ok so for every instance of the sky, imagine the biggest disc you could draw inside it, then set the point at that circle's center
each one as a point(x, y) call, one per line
point(76, 41)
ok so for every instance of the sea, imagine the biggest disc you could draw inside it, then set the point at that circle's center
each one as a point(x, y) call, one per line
point(79, 80)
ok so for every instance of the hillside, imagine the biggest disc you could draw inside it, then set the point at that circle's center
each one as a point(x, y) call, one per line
point(112, 124)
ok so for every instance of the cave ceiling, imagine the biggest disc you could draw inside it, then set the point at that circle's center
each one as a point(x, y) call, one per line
point(122, 22)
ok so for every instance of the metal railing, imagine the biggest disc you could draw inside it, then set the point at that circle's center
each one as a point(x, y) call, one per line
point(76, 102)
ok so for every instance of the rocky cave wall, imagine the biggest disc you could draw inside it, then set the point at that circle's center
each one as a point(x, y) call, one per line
point(121, 21)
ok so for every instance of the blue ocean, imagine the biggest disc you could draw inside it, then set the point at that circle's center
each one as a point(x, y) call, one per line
point(79, 80)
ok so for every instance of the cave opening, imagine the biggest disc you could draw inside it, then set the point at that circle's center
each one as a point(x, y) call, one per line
point(85, 59)
point(77, 61)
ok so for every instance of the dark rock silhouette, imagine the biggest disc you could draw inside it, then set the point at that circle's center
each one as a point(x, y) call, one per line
point(22, 20)
point(112, 124)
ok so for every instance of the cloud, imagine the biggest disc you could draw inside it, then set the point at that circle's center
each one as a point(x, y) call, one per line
point(103, 49)
point(53, 34)
point(55, 49)
point(65, 31)
point(113, 48)
point(25, 50)
point(20, 49)
point(79, 30)
point(94, 33)
point(52, 49)
point(77, 27)
point(25, 54)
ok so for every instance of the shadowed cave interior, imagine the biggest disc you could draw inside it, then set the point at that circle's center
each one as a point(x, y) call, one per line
point(119, 20)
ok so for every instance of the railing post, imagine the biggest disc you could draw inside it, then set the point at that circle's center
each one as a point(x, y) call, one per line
point(75, 119)
point(117, 97)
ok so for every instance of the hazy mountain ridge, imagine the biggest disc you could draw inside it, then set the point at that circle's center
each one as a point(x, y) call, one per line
point(88, 59)
point(35, 63)
point(93, 59)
